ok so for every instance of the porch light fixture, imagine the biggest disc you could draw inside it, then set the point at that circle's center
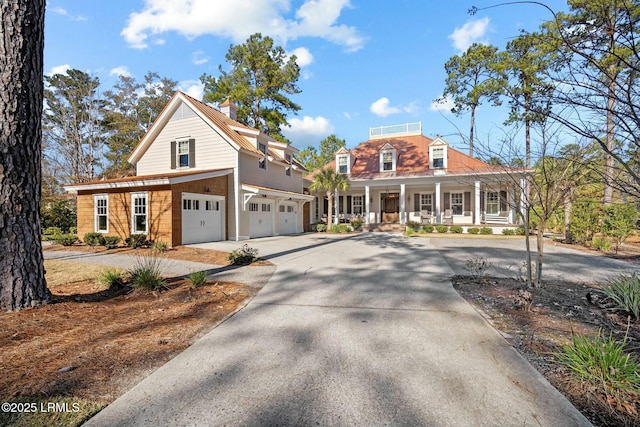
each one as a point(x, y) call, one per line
point(207, 190)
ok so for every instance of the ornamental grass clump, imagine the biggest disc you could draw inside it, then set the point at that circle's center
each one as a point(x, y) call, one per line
point(111, 278)
point(602, 362)
point(146, 273)
point(197, 278)
point(624, 291)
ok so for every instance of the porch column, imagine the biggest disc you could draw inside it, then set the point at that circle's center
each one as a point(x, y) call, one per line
point(336, 207)
point(476, 215)
point(367, 204)
point(403, 218)
point(438, 219)
point(512, 211)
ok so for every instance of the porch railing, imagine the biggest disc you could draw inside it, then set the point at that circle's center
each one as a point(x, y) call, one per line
point(396, 130)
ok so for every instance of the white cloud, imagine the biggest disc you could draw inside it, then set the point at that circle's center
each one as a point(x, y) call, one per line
point(308, 130)
point(442, 104)
point(304, 58)
point(60, 69)
point(315, 18)
point(120, 71)
point(193, 88)
point(60, 11)
point(199, 57)
point(471, 32)
point(382, 108)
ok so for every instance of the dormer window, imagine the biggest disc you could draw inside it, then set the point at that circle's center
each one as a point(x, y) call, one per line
point(343, 164)
point(287, 170)
point(438, 154)
point(388, 158)
point(262, 163)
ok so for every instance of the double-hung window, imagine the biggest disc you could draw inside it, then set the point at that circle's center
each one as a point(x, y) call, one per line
point(426, 202)
point(438, 157)
point(457, 206)
point(183, 153)
point(387, 161)
point(140, 211)
point(262, 163)
point(343, 166)
point(356, 205)
point(101, 206)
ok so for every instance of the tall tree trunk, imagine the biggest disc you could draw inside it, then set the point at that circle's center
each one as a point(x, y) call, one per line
point(330, 209)
point(22, 281)
point(540, 252)
point(607, 198)
point(471, 126)
point(568, 205)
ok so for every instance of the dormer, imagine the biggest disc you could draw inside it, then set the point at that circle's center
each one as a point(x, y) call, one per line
point(388, 158)
point(438, 154)
point(343, 161)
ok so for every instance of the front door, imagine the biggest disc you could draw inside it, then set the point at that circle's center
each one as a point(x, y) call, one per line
point(390, 204)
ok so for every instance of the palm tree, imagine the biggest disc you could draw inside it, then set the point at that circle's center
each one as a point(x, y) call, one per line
point(327, 180)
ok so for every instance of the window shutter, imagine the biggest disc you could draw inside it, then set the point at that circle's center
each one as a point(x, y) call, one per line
point(173, 154)
point(503, 201)
point(416, 202)
point(349, 204)
point(467, 201)
point(482, 201)
point(192, 153)
point(447, 201)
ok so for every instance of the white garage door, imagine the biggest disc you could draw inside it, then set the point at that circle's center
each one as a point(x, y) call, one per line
point(202, 218)
point(261, 219)
point(287, 218)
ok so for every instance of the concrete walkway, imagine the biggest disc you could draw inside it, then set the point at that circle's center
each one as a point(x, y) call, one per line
point(361, 330)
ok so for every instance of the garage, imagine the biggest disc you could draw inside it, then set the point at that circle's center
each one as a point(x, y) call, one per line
point(287, 218)
point(261, 219)
point(202, 218)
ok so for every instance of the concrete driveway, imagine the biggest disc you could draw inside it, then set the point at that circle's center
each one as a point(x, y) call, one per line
point(351, 330)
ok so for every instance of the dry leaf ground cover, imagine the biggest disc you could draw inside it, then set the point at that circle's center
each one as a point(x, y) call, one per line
point(91, 344)
point(558, 311)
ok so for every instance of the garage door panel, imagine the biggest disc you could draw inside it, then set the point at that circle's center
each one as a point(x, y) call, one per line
point(261, 219)
point(287, 219)
point(202, 218)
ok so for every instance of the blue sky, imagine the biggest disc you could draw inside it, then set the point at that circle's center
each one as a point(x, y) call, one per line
point(365, 63)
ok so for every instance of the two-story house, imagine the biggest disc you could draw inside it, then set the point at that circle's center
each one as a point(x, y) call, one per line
point(200, 176)
point(400, 175)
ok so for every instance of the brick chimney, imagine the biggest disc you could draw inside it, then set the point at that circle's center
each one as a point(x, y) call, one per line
point(228, 109)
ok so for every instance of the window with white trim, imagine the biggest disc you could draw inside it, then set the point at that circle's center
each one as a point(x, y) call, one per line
point(101, 211)
point(287, 169)
point(182, 153)
point(493, 202)
point(356, 205)
point(262, 163)
point(343, 164)
point(438, 157)
point(139, 221)
point(457, 203)
point(388, 162)
point(426, 202)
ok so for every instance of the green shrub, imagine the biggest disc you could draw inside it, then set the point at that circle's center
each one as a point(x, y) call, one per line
point(624, 290)
point(409, 231)
point(340, 228)
point(321, 228)
point(111, 278)
point(243, 256)
point(585, 219)
point(160, 246)
point(197, 278)
point(508, 231)
point(601, 244)
point(442, 228)
point(93, 239)
point(486, 230)
point(414, 225)
point(146, 273)
point(52, 231)
point(60, 213)
point(602, 362)
point(137, 241)
point(111, 242)
point(455, 229)
point(66, 239)
point(473, 230)
point(73, 230)
point(618, 222)
point(520, 231)
point(356, 224)
point(426, 229)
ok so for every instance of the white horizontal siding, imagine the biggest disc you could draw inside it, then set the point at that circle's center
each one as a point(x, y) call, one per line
point(211, 151)
point(274, 177)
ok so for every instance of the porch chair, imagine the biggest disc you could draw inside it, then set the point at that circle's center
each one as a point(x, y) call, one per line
point(447, 218)
point(425, 217)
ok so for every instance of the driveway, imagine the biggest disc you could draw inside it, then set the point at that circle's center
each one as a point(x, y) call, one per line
point(364, 330)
